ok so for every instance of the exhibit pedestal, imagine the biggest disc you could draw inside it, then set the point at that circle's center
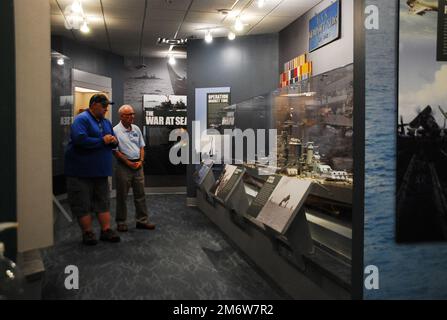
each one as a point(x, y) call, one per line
point(306, 280)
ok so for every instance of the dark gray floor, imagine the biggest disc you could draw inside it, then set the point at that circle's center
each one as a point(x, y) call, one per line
point(187, 257)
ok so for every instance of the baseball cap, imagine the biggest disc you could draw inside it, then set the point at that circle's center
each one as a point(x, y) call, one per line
point(100, 98)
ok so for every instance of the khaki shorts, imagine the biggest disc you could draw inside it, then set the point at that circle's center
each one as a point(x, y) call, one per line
point(88, 195)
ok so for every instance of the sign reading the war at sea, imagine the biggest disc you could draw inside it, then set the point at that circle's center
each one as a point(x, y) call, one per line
point(324, 27)
point(442, 31)
point(165, 118)
point(218, 104)
point(421, 204)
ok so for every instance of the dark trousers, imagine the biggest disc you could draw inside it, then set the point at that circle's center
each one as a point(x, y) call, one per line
point(126, 178)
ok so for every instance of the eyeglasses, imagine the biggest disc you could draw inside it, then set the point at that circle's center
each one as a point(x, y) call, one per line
point(129, 114)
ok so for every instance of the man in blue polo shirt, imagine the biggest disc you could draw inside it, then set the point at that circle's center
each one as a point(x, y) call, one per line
point(129, 171)
point(88, 164)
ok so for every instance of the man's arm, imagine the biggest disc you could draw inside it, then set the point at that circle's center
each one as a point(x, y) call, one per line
point(80, 137)
point(141, 162)
point(142, 154)
point(121, 157)
point(113, 139)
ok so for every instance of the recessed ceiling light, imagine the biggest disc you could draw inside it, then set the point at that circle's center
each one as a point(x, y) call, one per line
point(61, 61)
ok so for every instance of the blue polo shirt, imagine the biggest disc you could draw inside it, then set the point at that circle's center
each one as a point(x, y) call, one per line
point(86, 155)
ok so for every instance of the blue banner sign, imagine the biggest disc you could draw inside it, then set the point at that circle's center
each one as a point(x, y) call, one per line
point(324, 27)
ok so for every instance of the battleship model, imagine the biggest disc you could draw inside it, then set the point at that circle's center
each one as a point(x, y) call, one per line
point(421, 179)
point(146, 76)
point(332, 193)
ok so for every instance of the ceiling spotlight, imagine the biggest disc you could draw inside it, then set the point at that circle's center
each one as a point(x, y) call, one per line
point(231, 36)
point(85, 28)
point(238, 25)
point(76, 7)
point(75, 17)
point(60, 61)
point(172, 60)
point(261, 3)
point(208, 37)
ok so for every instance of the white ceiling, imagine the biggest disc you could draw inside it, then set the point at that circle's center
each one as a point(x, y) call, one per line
point(123, 19)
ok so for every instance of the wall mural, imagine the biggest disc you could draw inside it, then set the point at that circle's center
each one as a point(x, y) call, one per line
point(159, 87)
point(153, 76)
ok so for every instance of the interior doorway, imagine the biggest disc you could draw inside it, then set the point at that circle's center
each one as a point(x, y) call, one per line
point(82, 98)
point(85, 85)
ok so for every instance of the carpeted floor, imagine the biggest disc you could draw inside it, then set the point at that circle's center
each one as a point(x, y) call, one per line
point(186, 257)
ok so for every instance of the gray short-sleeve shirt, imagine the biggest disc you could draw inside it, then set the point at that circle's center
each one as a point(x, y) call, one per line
point(130, 141)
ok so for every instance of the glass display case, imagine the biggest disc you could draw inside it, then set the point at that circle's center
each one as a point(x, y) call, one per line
point(304, 202)
point(314, 123)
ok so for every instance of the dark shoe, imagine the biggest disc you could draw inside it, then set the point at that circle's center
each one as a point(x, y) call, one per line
point(110, 236)
point(145, 226)
point(122, 227)
point(89, 238)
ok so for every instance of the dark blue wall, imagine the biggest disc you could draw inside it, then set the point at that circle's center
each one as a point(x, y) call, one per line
point(96, 61)
point(249, 65)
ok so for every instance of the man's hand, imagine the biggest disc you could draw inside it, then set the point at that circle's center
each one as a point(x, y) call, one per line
point(140, 164)
point(109, 139)
point(134, 165)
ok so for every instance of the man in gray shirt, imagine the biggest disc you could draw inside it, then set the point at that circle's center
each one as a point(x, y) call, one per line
point(129, 170)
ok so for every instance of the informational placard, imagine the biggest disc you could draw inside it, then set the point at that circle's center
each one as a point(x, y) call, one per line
point(201, 173)
point(263, 196)
point(325, 27)
point(227, 181)
point(284, 203)
point(442, 31)
point(217, 109)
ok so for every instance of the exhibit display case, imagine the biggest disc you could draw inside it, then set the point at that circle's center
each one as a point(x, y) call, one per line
point(304, 204)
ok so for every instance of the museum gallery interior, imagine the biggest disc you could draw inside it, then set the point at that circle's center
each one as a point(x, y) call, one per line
point(251, 116)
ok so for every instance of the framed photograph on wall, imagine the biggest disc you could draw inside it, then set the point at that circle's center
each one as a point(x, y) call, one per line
point(421, 203)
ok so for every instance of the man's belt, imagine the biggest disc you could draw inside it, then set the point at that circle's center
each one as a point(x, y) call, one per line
point(135, 160)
